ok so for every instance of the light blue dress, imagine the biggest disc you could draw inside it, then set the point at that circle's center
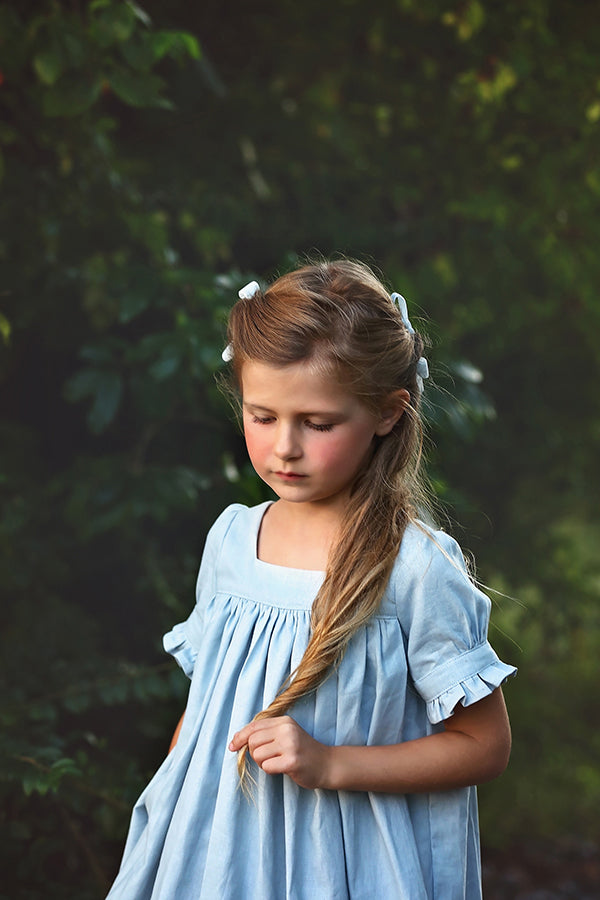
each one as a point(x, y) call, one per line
point(195, 836)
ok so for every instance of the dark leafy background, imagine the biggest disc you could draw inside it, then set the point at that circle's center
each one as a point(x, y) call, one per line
point(153, 160)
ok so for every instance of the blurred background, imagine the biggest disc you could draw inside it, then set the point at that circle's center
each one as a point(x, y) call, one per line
point(156, 157)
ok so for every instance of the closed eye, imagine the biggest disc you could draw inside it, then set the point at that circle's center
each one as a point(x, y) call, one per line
point(316, 426)
point(261, 420)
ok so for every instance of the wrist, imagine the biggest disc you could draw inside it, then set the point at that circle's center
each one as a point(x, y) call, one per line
point(330, 774)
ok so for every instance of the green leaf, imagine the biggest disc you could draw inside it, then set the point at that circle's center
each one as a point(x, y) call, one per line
point(70, 97)
point(80, 385)
point(131, 305)
point(76, 703)
point(593, 111)
point(49, 65)
point(114, 23)
point(96, 353)
point(109, 387)
point(76, 46)
point(137, 89)
point(175, 43)
point(105, 387)
point(191, 45)
point(32, 782)
point(139, 53)
point(166, 365)
point(117, 692)
point(66, 766)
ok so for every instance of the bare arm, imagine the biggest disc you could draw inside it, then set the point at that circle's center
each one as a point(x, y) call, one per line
point(175, 737)
point(474, 747)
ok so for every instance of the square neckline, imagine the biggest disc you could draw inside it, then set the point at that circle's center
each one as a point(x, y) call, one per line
point(262, 510)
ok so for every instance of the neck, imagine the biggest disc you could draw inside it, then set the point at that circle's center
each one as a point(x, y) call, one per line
point(298, 535)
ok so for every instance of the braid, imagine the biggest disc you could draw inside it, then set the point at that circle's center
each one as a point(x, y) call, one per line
point(340, 314)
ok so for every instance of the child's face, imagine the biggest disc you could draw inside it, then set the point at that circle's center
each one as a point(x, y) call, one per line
point(306, 436)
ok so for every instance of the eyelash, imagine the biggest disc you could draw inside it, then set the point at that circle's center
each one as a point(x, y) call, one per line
point(315, 426)
point(258, 421)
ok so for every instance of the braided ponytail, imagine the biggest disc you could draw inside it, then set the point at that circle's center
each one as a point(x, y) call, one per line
point(340, 317)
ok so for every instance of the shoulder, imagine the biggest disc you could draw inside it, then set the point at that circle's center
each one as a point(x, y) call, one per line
point(231, 537)
point(236, 518)
point(427, 550)
point(225, 518)
point(430, 570)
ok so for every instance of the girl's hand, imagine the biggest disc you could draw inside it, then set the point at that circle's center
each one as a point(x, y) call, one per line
point(474, 747)
point(280, 747)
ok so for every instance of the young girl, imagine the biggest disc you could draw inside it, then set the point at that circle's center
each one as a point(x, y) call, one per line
point(344, 698)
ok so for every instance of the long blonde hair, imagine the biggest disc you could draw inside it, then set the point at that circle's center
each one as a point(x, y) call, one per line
point(339, 316)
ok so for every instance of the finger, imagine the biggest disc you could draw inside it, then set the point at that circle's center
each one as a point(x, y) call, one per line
point(275, 765)
point(264, 752)
point(264, 741)
point(241, 738)
point(259, 726)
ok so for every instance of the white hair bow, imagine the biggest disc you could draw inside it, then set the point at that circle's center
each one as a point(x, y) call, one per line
point(245, 293)
point(422, 365)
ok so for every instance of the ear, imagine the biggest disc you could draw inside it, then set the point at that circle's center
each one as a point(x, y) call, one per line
point(391, 411)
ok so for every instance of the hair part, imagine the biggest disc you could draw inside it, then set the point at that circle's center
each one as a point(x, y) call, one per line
point(339, 317)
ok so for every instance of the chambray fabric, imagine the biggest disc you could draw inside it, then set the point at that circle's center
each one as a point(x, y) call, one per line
point(195, 836)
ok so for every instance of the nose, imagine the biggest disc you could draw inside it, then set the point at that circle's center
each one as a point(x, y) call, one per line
point(287, 444)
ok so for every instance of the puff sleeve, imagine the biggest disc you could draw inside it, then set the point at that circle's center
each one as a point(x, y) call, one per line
point(184, 640)
point(444, 618)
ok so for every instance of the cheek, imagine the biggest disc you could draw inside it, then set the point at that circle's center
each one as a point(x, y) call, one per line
point(255, 443)
point(343, 453)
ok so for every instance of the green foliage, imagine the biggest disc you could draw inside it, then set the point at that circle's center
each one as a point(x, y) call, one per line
point(77, 57)
point(148, 168)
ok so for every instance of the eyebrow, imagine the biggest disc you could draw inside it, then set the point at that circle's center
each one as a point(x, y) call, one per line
point(323, 413)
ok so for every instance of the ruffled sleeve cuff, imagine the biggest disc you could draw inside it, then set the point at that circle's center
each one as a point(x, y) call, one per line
point(467, 679)
point(177, 644)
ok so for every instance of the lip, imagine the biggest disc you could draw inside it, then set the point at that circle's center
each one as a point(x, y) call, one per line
point(289, 476)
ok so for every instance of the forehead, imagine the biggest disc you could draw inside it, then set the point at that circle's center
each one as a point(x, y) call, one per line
point(298, 385)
